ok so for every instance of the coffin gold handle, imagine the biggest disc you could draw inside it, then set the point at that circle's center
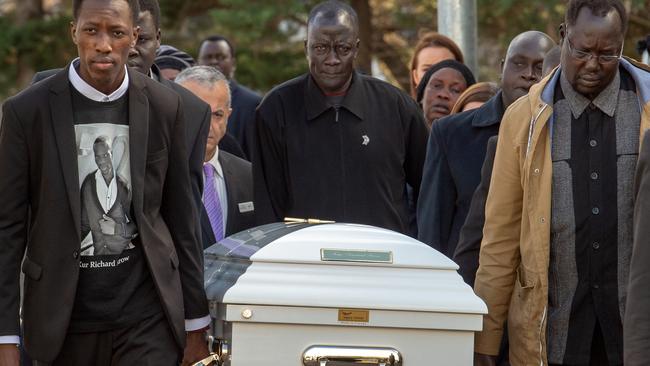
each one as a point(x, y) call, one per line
point(295, 220)
point(344, 355)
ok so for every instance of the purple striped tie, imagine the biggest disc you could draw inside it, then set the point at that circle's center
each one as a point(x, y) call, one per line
point(211, 202)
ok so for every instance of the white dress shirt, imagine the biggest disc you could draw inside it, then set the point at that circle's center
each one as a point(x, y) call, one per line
point(91, 93)
point(107, 194)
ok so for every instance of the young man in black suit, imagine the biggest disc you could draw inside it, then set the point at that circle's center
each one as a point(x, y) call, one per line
point(228, 192)
point(81, 308)
point(196, 114)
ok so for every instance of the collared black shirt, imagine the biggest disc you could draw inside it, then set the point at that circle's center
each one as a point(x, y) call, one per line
point(347, 164)
point(593, 166)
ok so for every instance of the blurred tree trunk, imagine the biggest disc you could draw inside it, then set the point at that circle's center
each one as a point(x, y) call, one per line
point(390, 51)
point(364, 11)
point(26, 10)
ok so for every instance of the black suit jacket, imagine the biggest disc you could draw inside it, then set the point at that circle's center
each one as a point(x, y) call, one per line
point(196, 119)
point(238, 175)
point(241, 123)
point(452, 171)
point(471, 234)
point(40, 209)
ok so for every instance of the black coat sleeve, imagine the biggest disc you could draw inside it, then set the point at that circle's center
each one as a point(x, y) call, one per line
point(178, 209)
point(196, 157)
point(416, 146)
point(437, 201)
point(636, 326)
point(14, 203)
point(469, 243)
point(270, 186)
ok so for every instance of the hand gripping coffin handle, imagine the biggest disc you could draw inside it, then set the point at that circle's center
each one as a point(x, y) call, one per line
point(344, 356)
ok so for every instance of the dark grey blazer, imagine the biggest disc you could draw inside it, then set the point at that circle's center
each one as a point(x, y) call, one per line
point(239, 187)
point(636, 325)
point(38, 166)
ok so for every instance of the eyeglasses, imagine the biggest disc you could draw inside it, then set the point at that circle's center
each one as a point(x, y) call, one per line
point(586, 56)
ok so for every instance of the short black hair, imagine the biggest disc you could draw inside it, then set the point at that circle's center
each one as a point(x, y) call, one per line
point(330, 10)
point(153, 8)
point(217, 38)
point(598, 7)
point(133, 5)
point(101, 140)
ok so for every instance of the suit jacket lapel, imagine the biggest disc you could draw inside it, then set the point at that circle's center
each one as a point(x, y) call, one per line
point(206, 228)
point(232, 203)
point(64, 134)
point(138, 137)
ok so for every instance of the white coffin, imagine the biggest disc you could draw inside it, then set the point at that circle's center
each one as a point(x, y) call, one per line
point(284, 293)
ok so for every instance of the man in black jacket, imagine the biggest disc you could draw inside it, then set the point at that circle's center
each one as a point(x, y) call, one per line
point(457, 146)
point(218, 52)
point(196, 112)
point(334, 144)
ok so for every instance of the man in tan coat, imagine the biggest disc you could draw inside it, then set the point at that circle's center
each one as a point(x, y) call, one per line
point(557, 240)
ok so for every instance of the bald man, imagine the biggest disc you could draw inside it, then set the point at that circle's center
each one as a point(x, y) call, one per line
point(335, 144)
point(457, 146)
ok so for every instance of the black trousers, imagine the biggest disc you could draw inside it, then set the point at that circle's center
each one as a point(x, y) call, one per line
point(598, 353)
point(149, 342)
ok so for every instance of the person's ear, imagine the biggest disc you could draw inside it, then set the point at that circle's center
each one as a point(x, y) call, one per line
point(503, 65)
point(73, 32)
point(136, 33)
point(562, 31)
point(356, 49)
point(158, 39)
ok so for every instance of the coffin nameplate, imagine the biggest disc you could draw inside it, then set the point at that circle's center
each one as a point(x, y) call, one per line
point(347, 255)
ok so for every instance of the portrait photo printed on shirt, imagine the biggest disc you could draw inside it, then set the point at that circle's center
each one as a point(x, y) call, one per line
point(107, 227)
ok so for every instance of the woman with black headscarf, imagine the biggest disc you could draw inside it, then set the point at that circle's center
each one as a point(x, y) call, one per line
point(441, 86)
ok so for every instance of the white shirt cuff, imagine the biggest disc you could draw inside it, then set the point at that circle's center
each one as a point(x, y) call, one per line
point(194, 324)
point(9, 340)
